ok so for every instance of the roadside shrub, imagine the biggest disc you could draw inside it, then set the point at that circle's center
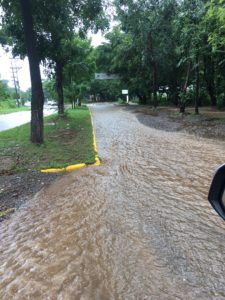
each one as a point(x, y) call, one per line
point(4, 104)
point(190, 97)
point(163, 100)
point(135, 100)
point(220, 103)
point(121, 101)
point(186, 98)
point(204, 98)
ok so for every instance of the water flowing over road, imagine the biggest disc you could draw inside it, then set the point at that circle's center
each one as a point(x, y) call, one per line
point(137, 227)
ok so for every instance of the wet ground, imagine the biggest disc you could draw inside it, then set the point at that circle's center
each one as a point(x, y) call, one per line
point(17, 189)
point(210, 123)
point(138, 227)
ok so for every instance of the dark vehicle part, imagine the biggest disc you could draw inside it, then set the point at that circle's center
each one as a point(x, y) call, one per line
point(217, 192)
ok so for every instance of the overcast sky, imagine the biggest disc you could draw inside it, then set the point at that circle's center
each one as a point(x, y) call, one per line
point(23, 67)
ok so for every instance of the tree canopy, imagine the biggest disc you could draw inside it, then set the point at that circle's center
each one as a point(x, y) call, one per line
point(167, 50)
point(41, 30)
point(168, 47)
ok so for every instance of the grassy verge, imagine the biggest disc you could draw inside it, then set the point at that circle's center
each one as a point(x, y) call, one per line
point(4, 111)
point(68, 140)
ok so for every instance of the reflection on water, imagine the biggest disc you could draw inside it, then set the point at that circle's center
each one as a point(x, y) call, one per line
point(138, 227)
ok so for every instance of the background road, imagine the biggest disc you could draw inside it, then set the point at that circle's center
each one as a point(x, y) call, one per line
point(12, 120)
point(137, 227)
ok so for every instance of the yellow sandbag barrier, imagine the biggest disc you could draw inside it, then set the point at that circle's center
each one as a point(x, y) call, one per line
point(81, 165)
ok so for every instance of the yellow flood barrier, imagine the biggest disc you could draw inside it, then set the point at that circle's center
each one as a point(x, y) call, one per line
point(81, 165)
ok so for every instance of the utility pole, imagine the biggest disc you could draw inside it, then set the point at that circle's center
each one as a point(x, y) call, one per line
point(15, 78)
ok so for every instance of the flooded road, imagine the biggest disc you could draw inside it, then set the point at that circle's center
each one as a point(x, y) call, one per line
point(137, 227)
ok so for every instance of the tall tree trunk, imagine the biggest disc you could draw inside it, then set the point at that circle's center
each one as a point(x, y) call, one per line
point(37, 99)
point(155, 86)
point(59, 87)
point(184, 90)
point(142, 99)
point(155, 71)
point(209, 75)
point(197, 85)
point(149, 99)
point(174, 96)
point(173, 91)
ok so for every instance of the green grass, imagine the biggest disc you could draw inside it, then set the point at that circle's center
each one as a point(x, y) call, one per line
point(121, 102)
point(9, 106)
point(68, 140)
point(4, 111)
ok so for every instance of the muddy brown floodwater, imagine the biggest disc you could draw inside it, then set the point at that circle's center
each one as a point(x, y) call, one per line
point(138, 227)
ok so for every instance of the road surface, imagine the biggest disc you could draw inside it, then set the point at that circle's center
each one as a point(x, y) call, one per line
point(12, 120)
point(137, 227)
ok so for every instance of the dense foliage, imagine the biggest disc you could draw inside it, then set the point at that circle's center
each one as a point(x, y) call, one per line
point(8, 97)
point(171, 50)
point(163, 51)
point(45, 31)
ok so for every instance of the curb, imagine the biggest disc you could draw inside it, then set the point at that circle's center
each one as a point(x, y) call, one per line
point(81, 165)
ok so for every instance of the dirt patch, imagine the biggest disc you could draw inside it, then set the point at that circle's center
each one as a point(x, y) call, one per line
point(210, 123)
point(16, 190)
point(6, 165)
point(65, 134)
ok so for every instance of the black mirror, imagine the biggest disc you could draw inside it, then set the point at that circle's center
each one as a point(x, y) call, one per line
point(217, 192)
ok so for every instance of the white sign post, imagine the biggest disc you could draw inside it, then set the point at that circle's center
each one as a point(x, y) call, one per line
point(126, 92)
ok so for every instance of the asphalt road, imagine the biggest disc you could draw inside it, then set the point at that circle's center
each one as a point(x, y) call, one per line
point(12, 120)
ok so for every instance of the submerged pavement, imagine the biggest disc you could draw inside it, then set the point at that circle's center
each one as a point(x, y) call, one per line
point(137, 227)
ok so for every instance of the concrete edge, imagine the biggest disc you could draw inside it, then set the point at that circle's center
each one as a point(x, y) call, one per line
point(81, 165)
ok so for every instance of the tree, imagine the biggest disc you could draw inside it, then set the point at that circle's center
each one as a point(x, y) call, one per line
point(214, 59)
point(41, 35)
point(49, 89)
point(140, 19)
point(215, 18)
point(85, 14)
point(5, 92)
point(37, 100)
point(161, 47)
point(18, 26)
point(145, 56)
point(79, 68)
point(26, 96)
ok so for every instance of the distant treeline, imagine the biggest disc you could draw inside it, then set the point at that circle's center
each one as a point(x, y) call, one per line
point(167, 51)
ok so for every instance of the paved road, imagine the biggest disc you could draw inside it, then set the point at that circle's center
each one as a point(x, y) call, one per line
point(12, 120)
point(137, 227)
